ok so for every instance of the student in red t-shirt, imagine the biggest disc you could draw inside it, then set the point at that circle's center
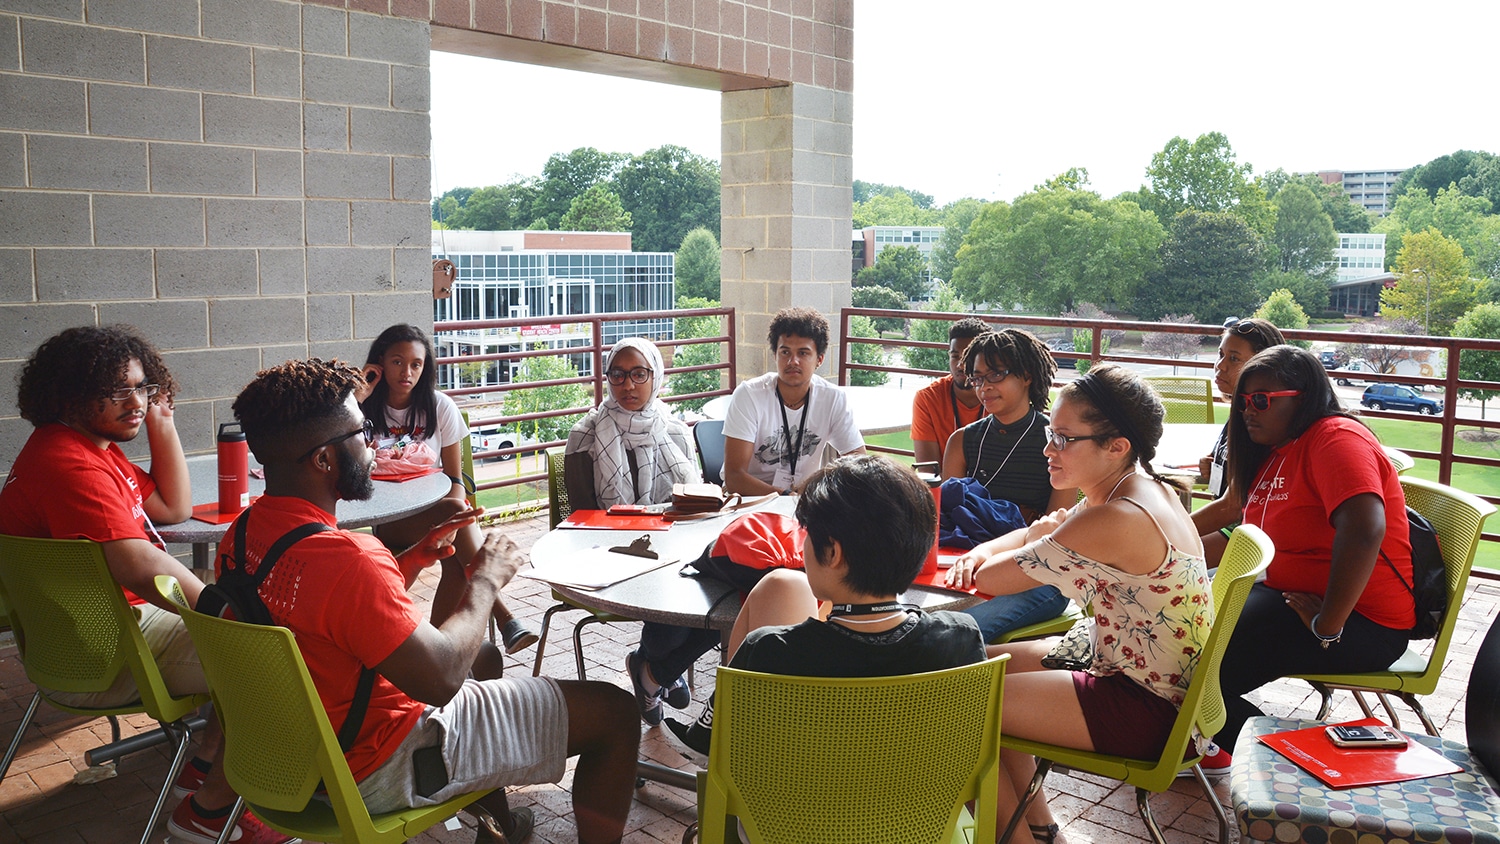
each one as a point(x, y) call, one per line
point(344, 595)
point(1335, 599)
point(87, 390)
point(949, 403)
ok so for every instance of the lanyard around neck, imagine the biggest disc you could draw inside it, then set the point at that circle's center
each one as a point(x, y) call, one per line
point(786, 427)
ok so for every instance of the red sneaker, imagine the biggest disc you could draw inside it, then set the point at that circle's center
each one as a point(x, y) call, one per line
point(1215, 763)
point(191, 778)
point(188, 826)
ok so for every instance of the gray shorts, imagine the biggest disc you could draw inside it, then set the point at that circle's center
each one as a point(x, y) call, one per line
point(168, 641)
point(493, 734)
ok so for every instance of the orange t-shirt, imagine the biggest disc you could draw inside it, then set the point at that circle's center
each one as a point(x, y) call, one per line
point(344, 597)
point(932, 412)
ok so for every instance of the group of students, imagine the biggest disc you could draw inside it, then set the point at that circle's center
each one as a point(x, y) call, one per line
point(1335, 597)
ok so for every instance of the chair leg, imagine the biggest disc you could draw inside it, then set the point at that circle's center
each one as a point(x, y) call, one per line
point(1143, 805)
point(1416, 706)
point(1213, 800)
point(15, 743)
point(1390, 709)
point(578, 641)
point(234, 819)
point(1327, 701)
point(690, 833)
point(183, 733)
point(1364, 705)
point(1032, 790)
point(541, 642)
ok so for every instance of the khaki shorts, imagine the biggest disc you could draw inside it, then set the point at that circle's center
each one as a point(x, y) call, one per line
point(168, 641)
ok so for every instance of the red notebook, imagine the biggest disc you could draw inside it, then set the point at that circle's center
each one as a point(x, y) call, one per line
point(939, 576)
point(602, 520)
point(210, 513)
point(1347, 767)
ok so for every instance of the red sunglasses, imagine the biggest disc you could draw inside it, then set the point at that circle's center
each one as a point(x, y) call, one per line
point(1261, 399)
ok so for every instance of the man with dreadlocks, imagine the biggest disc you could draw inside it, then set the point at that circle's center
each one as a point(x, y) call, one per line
point(428, 731)
point(86, 390)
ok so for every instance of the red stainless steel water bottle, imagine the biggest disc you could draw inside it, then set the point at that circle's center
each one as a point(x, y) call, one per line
point(234, 469)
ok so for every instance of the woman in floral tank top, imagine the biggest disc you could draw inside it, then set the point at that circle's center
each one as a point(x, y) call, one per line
point(1129, 549)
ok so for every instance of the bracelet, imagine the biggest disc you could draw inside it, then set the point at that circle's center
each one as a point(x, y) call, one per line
point(1325, 641)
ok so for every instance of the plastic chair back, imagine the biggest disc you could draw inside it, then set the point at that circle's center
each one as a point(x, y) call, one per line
point(558, 507)
point(801, 759)
point(279, 745)
point(1187, 398)
point(466, 464)
point(1458, 517)
point(709, 436)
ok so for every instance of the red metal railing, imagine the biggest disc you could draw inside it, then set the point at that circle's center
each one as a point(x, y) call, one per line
point(595, 349)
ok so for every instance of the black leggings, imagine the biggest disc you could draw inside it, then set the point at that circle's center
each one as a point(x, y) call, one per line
point(1271, 641)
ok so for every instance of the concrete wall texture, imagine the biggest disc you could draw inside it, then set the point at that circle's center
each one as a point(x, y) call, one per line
point(247, 181)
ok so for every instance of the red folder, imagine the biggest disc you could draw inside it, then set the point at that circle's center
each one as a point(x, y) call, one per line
point(1351, 767)
point(938, 577)
point(602, 520)
point(210, 513)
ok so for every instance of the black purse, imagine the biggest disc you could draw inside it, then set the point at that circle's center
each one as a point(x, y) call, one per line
point(1075, 651)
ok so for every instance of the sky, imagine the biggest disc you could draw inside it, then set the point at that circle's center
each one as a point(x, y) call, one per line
point(989, 98)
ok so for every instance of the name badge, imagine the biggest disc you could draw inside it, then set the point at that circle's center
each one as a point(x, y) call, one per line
point(783, 479)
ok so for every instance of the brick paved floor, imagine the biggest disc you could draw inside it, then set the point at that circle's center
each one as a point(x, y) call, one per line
point(40, 803)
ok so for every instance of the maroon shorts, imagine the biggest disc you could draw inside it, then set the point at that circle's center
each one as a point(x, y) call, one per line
point(1124, 718)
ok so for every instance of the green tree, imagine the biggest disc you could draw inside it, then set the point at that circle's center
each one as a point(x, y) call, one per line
point(1203, 175)
point(1469, 171)
point(896, 208)
point(494, 208)
point(934, 330)
point(1304, 237)
point(1348, 218)
point(864, 190)
point(566, 176)
point(541, 399)
point(957, 217)
point(865, 353)
point(1056, 247)
point(669, 191)
point(1433, 287)
point(1208, 266)
point(1083, 338)
point(1461, 217)
point(1482, 321)
point(899, 268)
point(684, 328)
point(697, 265)
point(596, 210)
point(1310, 291)
point(1282, 310)
point(883, 298)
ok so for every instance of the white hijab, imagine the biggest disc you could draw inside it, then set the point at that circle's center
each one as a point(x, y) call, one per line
point(660, 461)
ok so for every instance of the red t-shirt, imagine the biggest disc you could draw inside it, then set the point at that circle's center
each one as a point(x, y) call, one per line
point(1293, 498)
point(932, 412)
point(343, 596)
point(63, 486)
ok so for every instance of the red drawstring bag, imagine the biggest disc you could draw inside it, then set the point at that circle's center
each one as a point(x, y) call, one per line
point(752, 545)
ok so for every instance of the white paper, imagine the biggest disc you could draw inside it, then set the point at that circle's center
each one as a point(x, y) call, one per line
point(594, 568)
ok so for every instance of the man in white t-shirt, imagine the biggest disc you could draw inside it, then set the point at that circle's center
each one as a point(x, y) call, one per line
point(778, 424)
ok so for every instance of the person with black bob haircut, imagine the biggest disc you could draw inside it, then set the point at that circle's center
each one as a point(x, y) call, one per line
point(869, 523)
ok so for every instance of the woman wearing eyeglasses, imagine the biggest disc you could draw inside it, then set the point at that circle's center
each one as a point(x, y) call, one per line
point(630, 450)
point(1128, 549)
point(1242, 340)
point(1335, 599)
point(1012, 372)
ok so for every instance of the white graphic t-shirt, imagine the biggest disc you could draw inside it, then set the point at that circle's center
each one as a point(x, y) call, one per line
point(755, 416)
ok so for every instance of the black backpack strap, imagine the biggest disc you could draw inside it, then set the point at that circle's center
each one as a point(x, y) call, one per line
point(357, 708)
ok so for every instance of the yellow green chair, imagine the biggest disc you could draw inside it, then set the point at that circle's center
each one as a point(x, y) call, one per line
point(846, 760)
point(279, 748)
point(1187, 398)
point(558, 508)
point(75, 633)
point(1247, 555)
point(1459, 519)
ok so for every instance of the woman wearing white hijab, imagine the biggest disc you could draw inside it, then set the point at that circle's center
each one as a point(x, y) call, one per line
point(629, 450)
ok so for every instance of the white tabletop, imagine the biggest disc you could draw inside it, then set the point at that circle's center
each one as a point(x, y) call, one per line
point(1183, 444)
point(667, 596)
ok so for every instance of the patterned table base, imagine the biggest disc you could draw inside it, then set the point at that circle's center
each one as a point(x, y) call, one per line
point(1276, 801)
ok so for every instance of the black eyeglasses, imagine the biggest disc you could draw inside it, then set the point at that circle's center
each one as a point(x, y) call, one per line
point(1060, 441)
point(1261, 399)
point(120, 394)
point(639, 375)
point(368, 430)
point(994, 376)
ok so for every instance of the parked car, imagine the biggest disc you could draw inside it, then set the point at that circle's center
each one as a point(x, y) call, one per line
point(1331, 358)
point(1399, 397)
point(493, 439)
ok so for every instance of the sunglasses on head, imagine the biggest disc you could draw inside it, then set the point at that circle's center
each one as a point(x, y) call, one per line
point(1261, 399)
point(1239, 326)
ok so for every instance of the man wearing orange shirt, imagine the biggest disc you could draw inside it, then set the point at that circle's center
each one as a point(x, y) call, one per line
point(948, 403)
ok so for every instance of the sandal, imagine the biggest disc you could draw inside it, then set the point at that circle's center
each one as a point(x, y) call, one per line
point(1044, 833)
point(521, 821)
point(517, 636)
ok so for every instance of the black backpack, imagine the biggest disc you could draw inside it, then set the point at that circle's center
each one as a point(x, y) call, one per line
point(238, 592)
point(1429, 589)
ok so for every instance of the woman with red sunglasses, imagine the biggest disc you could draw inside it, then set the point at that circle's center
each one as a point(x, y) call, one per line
point(1336, 598)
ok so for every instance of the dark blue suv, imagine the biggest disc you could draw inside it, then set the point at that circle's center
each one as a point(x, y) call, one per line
point(1399, 397)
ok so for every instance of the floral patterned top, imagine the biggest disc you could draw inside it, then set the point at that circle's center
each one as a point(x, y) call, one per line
point(1149, 627)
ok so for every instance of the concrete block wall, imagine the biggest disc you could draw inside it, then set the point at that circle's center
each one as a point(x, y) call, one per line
point(243, 180)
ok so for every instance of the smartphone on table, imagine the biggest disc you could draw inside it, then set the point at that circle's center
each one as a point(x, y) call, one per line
point(1373, 736)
